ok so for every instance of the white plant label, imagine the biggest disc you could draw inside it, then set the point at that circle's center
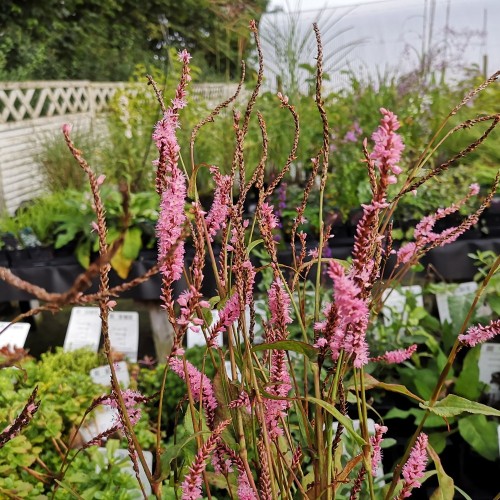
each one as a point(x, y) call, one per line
point(195, 336)
point(395, 302)
point(101, 419)
point(124, 333)
point(84, 329)
point(468, 288)
point(15, 335)
point(489, 362)
point(102, 375)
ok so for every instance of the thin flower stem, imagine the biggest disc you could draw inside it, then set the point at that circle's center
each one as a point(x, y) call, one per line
point(443, 375)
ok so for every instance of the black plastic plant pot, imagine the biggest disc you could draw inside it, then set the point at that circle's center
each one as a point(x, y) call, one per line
point(41, 255)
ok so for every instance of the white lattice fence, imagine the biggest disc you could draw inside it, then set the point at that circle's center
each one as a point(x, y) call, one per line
point(29, 100)
point(33, 112)
point(30, 114)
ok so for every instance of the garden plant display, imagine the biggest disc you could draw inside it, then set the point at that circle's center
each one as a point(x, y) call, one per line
point(273, 425)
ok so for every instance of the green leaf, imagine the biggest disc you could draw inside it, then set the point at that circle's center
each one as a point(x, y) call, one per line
point(468, 384)
point(83, 253)
point(289, 345)
point(254, 244)
point(345, 421)
point(459, 306)
point(432, 421)
point(494, 303)
point(371, 382)
point(172, 452)
point(132, 243)
point(446, 489)
point(438, 440)
point(481, 435)
point(453, 405)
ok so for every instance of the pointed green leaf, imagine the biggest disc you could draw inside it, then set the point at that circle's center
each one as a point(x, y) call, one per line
point(132, 243)
point(453, 405)
point(446, 489)
point(345, 421)
point(254, 244)
point(289, 345)
point(83, 253)
point(481, 435)
point(173, 451)
point(468, 384)
point(371, 382)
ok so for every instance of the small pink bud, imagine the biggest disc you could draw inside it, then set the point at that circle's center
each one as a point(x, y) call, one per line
point(94, 226)
point(474, 189)
point(100, 179)
point(66, 128)
point(204, 303)
point(111, 304)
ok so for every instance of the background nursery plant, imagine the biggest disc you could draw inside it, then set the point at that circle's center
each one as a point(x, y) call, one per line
point(292, 416)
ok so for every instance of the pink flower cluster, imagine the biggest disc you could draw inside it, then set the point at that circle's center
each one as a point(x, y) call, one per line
point(385, 156)
point(269, 219)
point(199, 384)
point(479, 333)
point(279, 379)
point(227, 316)
point(388, 146)
point(216, 218)
point(171, 184)
point(131, 399)
point(414, 468)
point(397, 356)
point(375, 442)
point(346, 319)
point(424, 234)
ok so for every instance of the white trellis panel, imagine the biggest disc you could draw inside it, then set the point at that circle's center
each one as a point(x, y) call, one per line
point(33, 112)
point(30, 114)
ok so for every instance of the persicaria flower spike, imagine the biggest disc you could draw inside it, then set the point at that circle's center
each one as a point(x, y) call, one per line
point(479, 333)
point(375, 442)
point(131, 399)
point(397, 356)
point(351, 317)
point(191, 486)
point(199, 385)
point(219, 212)
point(414, 468)
point(424, 234)
point(388, 144)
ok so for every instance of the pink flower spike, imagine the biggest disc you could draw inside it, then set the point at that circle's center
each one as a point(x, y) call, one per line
point(414, 468)
point(478, 334)
point(397, 356)
point(375, 442)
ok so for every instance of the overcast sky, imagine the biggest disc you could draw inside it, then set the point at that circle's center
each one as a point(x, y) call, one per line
point(318, 4)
